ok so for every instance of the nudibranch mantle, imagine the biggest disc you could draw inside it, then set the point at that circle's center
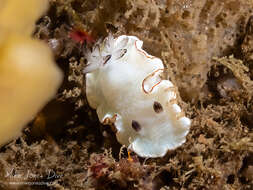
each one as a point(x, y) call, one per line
point(123, 84)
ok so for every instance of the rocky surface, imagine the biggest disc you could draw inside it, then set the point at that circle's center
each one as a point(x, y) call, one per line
point(206, 48)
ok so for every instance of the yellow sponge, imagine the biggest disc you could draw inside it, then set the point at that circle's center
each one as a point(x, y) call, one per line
point(29, 78)
point(21, 15)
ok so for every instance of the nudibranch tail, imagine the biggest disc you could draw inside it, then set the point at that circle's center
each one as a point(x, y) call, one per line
point(125, 87)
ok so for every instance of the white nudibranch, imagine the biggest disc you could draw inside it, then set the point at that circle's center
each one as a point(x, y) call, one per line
point(123, 84)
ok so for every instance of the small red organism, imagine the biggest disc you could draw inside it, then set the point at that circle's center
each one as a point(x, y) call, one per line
point(99, 170)
point(99, 165)
point(81, 36)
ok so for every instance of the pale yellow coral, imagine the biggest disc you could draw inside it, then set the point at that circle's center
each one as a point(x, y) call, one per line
point(20, 15)
point(29, 77)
